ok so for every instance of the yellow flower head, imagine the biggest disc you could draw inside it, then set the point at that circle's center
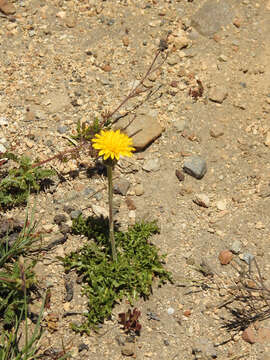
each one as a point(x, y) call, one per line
point(112, 144)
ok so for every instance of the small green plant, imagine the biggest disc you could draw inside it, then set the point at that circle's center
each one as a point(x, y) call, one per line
point(106, 281)
point(12, 280)
point(17, 281)
point(18, 182)
point(85, 131)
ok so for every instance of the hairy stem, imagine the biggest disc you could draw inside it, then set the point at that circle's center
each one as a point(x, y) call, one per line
point(110, 183)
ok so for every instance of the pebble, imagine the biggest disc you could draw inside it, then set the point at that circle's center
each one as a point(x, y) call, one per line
point(121, 186)
point(218, 94)
point(3, 121)
point(60, 218)
point(75, 213)
point(221, 204)
point(151, 165)
point(139, 190)
point(62, 129)
point(100, 211)
point(179, 174)
point(236, 247)
point(128, 349)
point(202, 200)
point(195, 166)
point(170, 311)
point(7, 7)
point(225, 257)
point(248, 335)
point(180, 125)
point(2, 148)
point(267, 139)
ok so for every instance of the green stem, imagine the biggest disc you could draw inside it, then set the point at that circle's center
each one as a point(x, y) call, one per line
point(112, 240)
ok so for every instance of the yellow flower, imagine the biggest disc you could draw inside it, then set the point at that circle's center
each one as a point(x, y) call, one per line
point(112, 144)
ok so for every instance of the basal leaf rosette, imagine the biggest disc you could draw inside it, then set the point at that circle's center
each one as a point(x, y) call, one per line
point(113, 144)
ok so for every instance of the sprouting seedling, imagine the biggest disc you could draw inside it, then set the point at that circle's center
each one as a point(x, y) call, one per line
point(111, 145)
point(130, 321)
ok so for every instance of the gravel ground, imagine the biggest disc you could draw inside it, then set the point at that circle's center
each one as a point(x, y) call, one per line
point(63, 61)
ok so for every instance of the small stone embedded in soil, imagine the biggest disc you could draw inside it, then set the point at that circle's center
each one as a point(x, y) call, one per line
point(2, 148)
point(130, 204)
point(218, 94)
point(3, 121)
point(180, 125)
point(170, 311)
point(62, 129)
point(267, 139)
point(225, 257)
point(180, 176)
point(7, 7)
point(151, 165)
point(202, 200)
point(82, 347)
point(249, 335)
point(221, 204)
point(75, 213)
point(195, 166)
point(69, 291)
point(121, 186)
point(139, 190)
point(236, 247)
point(59, 218)
point(128, 349)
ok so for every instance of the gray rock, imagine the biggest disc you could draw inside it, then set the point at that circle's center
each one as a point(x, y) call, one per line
point(151, 165)
point(204, 349)
point(60, 218)
point(211, 16)
point(236, 247)
point(121, 186)
point(98, 196)
point(195, 166)
point(218, 94)
point(88, 191)
point(75, 213)
point(62, 129)
point(144, 130)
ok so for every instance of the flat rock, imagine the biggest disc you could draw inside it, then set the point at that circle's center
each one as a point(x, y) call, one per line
point(144, 130)
point(211, 16)
point(121, 186)
point(236, 247)
point(7, 7)
point(218, 94)
point(249, 335)
point(195, 166)
point(151, 165)
point(202, 200)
